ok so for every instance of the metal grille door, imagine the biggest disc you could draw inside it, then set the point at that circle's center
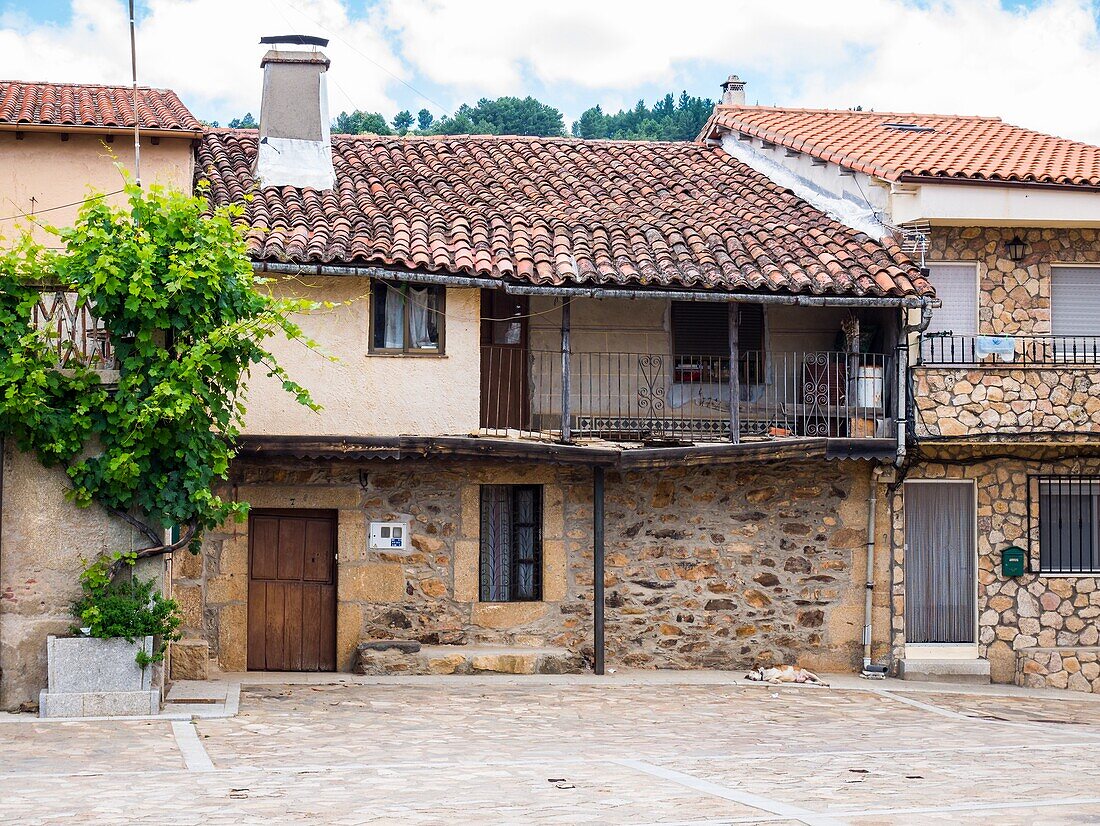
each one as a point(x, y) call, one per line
point(940, 562)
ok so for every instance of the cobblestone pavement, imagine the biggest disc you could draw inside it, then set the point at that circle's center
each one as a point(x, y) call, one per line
point(456, 750)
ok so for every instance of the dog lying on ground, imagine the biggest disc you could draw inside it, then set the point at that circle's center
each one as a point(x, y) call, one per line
point(784, 674)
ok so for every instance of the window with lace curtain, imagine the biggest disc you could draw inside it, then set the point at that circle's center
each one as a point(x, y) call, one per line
point(511, 543)
point(406, 318)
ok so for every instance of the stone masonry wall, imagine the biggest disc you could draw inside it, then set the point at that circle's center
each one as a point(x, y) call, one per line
point(1004, 400)
point(1077, 669)
point(1014, 298)
point(717, 567)
point(1014, 614)
point(44, 538)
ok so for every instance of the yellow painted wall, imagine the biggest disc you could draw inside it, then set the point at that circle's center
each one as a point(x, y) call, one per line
point(55, 172)
point(364, 394)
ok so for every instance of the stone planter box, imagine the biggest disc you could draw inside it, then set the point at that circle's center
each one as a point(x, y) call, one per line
point(91, 677)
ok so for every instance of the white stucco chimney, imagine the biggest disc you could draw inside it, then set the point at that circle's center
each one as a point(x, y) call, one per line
point(733, 91)
point(295, 147)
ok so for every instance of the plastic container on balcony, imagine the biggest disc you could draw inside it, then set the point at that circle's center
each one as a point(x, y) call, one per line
point(869, 381)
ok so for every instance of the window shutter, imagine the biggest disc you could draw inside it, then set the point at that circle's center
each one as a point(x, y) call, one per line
point(750, 328)
point(957, 288)
point(701, 328)
point(1075, 301)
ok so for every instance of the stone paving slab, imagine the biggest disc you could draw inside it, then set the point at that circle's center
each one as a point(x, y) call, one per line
point(91, 747)
point(1067, 710)
point(460, 752)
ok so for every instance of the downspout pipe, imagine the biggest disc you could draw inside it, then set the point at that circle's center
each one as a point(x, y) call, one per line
point(870, 670)
point(903, 402)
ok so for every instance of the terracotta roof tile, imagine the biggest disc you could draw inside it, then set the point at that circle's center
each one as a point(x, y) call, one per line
point(550, 211)
point(942, 146)
point(85, 105)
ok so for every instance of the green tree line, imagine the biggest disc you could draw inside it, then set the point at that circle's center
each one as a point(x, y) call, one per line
point(669, 119)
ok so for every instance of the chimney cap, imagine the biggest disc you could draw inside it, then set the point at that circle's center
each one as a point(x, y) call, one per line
point(295, 39)
point(733, 91)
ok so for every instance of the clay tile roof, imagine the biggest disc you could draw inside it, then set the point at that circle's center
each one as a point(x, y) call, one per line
point(885, 144)
point(85, 105)
point(555, 210)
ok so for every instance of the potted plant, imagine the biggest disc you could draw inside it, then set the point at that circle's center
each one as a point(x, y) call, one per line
point(171, 285)
point(105, 667)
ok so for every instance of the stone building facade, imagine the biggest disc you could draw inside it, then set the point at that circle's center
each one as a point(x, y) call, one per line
point(723, 566)
point(996, 425)
point(1017, 617)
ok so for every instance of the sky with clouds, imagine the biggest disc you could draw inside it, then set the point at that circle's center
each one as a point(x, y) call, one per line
point(1034, 63)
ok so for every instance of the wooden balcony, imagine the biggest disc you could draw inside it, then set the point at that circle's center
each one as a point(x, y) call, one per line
point(656, 397)
point(76, 336)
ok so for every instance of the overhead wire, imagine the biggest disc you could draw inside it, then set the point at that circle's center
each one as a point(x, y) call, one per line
point(444, 109)
point(440, 313)
point(62, 206)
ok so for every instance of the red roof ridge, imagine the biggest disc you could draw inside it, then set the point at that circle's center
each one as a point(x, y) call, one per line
point(562, 139)
point(971, 147)
point(867, 112)
point(126, 87)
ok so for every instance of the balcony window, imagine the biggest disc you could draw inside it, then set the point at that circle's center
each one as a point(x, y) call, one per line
point(1075, 314)
point(951, 334)
point(406, 318)
point(700, 342)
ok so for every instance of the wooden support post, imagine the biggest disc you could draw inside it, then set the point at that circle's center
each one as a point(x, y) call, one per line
point(597, 569)
point(854, 416)
point(566, 417)
point(734, 374)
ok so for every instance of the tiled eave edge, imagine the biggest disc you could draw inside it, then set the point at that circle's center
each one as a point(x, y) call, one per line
point(592, 290)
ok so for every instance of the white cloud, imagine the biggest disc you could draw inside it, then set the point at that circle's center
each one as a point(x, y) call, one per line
point(1033, 65)
point(206, 50)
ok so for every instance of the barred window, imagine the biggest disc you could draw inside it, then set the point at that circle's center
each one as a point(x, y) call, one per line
point(1069, 524)
point(511, 543)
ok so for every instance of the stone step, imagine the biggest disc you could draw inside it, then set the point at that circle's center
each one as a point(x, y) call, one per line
point(407, 657)
point(945, 671)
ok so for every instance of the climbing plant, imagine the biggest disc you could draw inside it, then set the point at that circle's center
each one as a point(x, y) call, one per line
point(173, 286)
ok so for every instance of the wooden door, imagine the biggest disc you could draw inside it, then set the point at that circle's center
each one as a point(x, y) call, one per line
point(292, 590)
point(504, 372)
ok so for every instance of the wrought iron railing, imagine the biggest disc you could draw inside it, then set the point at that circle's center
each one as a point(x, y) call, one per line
point(1028, 350)
point(649, 396)
point(76, 335)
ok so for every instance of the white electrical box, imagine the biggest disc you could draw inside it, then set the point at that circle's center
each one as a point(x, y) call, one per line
point(389, 535)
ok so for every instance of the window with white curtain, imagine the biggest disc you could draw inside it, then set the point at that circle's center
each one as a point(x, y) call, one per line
point(406, 318)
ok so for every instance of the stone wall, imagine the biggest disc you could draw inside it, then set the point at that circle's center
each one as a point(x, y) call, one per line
point(1013, 613)
point(967, 401)
point(1014, 298)
point(717, 567)
point(1077, 669)
point(43, 537)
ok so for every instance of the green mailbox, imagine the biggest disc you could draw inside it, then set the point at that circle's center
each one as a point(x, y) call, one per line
point(1013, 561)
